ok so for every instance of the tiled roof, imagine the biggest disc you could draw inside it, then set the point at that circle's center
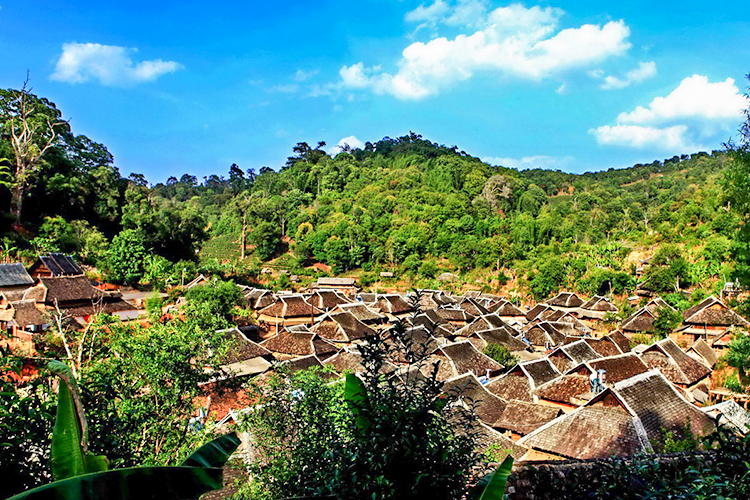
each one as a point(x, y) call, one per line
point(523, 417)
point(588, 432)
point(14, 275)
point(487, 406)
point(467, 359)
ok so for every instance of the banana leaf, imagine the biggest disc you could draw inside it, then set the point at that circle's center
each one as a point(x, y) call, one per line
point(495, 483)
point(142, 483)
point(69, 450)
point(355, 394)
point(214, 453)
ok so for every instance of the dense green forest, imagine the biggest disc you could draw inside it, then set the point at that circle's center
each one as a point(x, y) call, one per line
point(405, 205)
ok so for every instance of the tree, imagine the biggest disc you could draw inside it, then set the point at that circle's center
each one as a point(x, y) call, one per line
point(34, 126)
point(737, 191)
point(126, 257)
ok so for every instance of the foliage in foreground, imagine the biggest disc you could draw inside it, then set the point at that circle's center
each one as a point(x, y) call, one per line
point(81, 475)
point(380, 436)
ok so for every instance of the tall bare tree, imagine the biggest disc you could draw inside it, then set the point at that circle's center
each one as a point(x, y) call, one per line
point(33, 126)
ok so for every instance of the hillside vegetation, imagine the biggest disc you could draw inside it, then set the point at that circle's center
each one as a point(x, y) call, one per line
point(405, 205)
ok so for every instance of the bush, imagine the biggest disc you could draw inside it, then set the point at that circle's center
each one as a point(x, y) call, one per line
point(500, 354)
point(428, 269)
point(389, 437)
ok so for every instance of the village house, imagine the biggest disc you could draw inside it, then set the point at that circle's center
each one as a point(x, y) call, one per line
point(347, 286)
point(55, 265)
point(289, 310)
point(709, 320)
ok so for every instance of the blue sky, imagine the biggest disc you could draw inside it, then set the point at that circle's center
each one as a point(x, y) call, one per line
point(176, 87)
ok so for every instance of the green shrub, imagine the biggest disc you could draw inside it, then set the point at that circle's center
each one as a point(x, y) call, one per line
point(500, 354)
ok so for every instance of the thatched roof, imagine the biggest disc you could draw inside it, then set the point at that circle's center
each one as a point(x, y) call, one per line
point(506, 308)
point(706, 353)
point(565, 299)
point(363, 313)
point(504, 336)
point(659, 406)
point(70, 289)
point(342, 326)
point(538, 310)
point(487, 406)
point(394, 304)
point(467, 358)
point(516, 384)
point(579, 352)
point(241, 348)
point(523, 417)
point(454, 314)
point(258, 298)
point(564, 389)
point(713, 312)
point(290, 342)
point(540, 371)
point(325, 300)
point(619, 339)
point(640, 321)
point(473, 307)
point(481, 323)
point(26, 313)
point(544, 334)
point(677, 367)
point(588, 432)
point(599, 304)
point(619, 367)
point(290, 306)
point(603, 346)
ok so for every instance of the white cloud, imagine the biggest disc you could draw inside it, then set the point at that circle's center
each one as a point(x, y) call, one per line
point(695, 97)
point(301, 76)
point(696, 113)
point(638, 136)
point(108, 64)
point(430, 13)
point(643, 72)
point(530, 162)
point(351, 141)
point(512, 41)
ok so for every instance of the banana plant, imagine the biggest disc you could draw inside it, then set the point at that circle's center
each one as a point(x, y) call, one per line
point(79, 474)
point(496, 483)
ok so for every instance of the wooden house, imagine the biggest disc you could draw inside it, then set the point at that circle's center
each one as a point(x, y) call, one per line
point(466, 358)
point(565, 301)
point(55, 265)
point(675, 364)
point(622, 421)
point(289, 310)
point(341, 327)
point(707, 320)
point(596, 308)
point(508, 312)
point(296, 342)
point(78, 299)
point(14, 281)
point(570, 355)
point(347, 286)
point(523, 379)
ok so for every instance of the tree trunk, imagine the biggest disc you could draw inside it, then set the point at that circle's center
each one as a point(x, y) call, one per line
point(242, 237)
point(16, 203)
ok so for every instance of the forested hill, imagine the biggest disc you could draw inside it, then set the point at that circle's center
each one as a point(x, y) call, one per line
point(405, 205)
